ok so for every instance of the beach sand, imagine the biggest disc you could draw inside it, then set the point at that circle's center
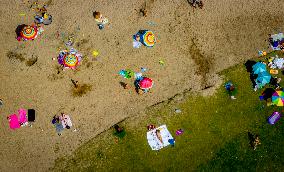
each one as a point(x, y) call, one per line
point(195, 44)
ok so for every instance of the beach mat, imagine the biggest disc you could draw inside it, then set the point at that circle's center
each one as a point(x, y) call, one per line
point(31, 115)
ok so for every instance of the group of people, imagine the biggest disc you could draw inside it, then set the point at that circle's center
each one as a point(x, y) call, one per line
point(60, 122)
point(274, 81)
point(42, 17)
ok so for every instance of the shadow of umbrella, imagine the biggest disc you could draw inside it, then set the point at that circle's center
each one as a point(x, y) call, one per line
point(19, 29)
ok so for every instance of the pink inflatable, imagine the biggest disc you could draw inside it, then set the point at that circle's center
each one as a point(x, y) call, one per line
point(13, 121)
point(22, 116)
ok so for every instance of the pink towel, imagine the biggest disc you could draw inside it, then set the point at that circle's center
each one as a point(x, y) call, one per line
point(22, 116)
point(13, 121)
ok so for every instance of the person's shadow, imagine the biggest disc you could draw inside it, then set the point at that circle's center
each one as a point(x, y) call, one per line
point(251, 139)
point(19, 29)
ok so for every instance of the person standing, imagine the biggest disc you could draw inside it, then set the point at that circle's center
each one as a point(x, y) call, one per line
point(231, 90)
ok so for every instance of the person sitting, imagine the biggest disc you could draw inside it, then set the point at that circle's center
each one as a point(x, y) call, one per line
point(151, 127)
point(136, 41)
point(65, 120)
point(274, 81)
point(256, 142)
point(119, 131)
point(100, 19)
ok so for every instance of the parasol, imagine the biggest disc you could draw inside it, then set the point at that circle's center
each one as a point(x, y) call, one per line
point(258, 68)
point(263, 78)
point(29, 32)
point(146, 83)
point(148, 38)
point(69, 59)
point(278, 98)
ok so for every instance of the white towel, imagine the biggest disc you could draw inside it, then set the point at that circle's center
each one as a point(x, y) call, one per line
point(153, 140)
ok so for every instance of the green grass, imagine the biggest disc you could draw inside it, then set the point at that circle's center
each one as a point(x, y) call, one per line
point(214, 139)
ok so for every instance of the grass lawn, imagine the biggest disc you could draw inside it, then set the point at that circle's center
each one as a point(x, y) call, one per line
point(215, 136)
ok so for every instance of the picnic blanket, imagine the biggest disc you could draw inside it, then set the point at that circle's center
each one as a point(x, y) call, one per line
point(153, 140)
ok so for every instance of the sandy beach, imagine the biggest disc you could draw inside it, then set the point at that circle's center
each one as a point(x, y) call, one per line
point(195, 44)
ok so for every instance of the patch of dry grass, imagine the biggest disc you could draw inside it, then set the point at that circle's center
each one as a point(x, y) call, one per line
point(81, 90)
point(15, 56)
point(31, 61)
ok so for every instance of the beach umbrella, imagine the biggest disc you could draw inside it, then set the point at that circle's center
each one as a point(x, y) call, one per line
point(29, 32)
point(71, 60)
point(278, 98)
point(258, 68)
point(145, 83)
point(148, 38)
point(263, 78)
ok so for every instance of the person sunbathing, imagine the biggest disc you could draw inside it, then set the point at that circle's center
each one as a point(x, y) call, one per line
point(158, 134)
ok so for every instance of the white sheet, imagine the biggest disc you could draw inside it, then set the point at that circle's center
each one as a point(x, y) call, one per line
point(65, 121)
point(153, 140)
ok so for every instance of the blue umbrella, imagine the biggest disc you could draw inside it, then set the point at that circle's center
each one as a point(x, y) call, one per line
point(258, 68)
point(263, 78)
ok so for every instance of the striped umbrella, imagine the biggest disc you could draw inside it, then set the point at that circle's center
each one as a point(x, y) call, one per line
point(148, 38)
point(29, 32)
point(278, 98)
point(71, 60)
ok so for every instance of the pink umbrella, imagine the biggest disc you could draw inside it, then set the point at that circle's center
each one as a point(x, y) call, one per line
point(146, 83)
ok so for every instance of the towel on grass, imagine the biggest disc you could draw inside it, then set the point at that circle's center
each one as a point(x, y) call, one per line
point(154, 141)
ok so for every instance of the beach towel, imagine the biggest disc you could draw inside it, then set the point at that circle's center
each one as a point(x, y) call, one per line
point(65, 121)
point(153, 140)
point(13, 121)
point(22, 116)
